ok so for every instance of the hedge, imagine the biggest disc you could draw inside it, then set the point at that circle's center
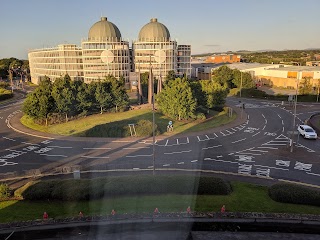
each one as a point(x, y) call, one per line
point(289, 193)
point(84, 189)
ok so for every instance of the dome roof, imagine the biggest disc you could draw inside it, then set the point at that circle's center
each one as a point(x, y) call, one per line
point(104, 30)
point(154, 32)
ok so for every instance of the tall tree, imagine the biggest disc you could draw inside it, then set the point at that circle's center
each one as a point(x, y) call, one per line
point(40, 103)
point(305, 86)
point(176, 100)
point(103, 96)
point(84, 97)
point(120, 97)
point(63, 95)
point(214, 93)
point(171, 75)
point(223, 75)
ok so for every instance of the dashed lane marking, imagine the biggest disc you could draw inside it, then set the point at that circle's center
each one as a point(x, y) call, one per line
point(279, 116)
point(178, 152)
point(212, 147)
point(93, 157)
point(96, 148)
point(180, 163)
point(264, 127)
point(48, 155)
point(193, 161)
point(10, 139)
point(166, 165)
point(59, 147)
point(239, 140)
point(149, 155)
point(284, 169)
point(135, 148)
point(255, 134)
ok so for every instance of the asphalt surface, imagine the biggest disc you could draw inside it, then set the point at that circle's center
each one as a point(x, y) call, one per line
point(258, 148)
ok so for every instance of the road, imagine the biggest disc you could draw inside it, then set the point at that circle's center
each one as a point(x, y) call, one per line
point(257, 148)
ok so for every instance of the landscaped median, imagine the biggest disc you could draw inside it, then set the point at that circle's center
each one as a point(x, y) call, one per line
point(116, 124)
point(140, 195)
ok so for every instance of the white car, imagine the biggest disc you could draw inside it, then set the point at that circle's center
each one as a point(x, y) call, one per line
point(307, 132)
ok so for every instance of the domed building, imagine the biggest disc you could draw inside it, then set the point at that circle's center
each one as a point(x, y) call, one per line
point(154, 46)
point(105, 53)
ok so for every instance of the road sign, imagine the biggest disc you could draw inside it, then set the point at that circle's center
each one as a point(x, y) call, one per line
point(170, 123)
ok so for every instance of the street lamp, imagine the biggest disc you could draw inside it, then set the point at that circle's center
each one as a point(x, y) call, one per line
point(295, 112)
point(240, 84)
point(160, 57)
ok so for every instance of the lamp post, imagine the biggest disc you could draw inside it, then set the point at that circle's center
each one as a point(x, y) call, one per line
point(160, 57)
point(295, 113)
point(240, 85)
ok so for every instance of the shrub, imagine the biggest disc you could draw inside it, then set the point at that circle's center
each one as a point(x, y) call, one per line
point(75, 190)
point(290, 193)
point(5, 191)
point(144, 128)
point(201, 116)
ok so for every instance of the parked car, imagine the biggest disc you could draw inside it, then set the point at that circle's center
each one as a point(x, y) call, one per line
point(307, 132)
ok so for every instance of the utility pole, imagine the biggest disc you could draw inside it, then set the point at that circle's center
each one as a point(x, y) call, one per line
point(294, 114)
point(240, 84)
point(318, 90)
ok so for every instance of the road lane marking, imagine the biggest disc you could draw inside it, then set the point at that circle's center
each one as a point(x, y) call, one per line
point(245, 153)
point(222, 134)
point(215, 135)
point(239, 140)
point(220, 156)
point(269, 148)
point(193, 161)
point(96, 148)
point(48, 155)
point(212, 147)
point(266, 121)
point(10, 139)
point(167, 142)
point(179, 152)
point(282, 129)
point(188, 140)
point(315, 174)
point(258, 150)
point(30, 143)
point(92, 157)
point(134, 148)
point(282, 122)
point(166, 165)
point(279, 116)
point(263, 116)
point(135, 168)
point(139, 156)
point(233, 129)
point(255, 134)
point(59, 147)
point(284, 169)
point(181, 163)
point(264, 127)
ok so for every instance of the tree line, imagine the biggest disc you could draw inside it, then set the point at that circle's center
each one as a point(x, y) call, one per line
point(67, 98)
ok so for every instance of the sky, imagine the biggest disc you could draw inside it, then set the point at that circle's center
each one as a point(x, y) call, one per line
point(208, 25)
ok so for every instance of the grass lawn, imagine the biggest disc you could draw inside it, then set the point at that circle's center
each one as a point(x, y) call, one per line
point(80, 126)
point(245, 198)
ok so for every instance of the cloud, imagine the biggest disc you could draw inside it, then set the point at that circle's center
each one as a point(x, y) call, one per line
point(212, 45)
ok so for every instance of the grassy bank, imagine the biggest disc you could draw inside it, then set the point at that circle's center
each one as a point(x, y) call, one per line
point(244, 198)
point(81, 127)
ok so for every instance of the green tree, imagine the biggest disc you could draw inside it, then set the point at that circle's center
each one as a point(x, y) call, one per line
point(119, 94)
point(177, 101)
point(214, 93)
point(63, 95)
point(144, 78)
point(40, 103)
point(171, 75)
point(247, 81)
point(103, 96)
point(224, 75)
point(305, 86)
point(84, 97)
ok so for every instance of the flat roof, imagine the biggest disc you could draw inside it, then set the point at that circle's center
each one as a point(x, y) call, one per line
point(297, 69)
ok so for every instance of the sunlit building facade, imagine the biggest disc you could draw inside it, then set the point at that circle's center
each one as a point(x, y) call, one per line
point(104, 52)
